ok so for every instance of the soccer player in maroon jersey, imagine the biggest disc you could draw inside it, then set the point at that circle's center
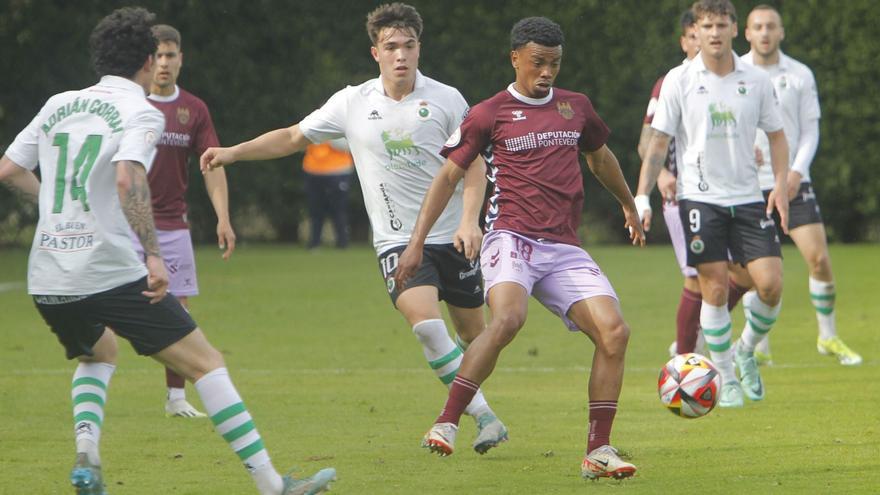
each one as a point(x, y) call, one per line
point(189, 131)
point(531, 135)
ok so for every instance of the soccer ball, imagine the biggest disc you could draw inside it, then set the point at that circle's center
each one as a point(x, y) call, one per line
point(689, 385)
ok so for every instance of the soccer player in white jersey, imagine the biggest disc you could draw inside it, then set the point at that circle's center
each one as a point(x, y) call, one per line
point(94, 148)
point(714, 106)
point(799, 102)
point(396, 125)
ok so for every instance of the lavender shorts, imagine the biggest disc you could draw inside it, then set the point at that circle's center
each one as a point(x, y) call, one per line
point(676, 235)
point(558, 275)
point(177, 252)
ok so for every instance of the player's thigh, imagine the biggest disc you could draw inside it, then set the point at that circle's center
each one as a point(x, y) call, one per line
point(468, 322)
point(811, 241)
point(752, 234)
point(508, 303)
point(766, 272)
point(706, 232)
point(740, 275)
point(713, 282)
point(600, 318)
point(419, 303)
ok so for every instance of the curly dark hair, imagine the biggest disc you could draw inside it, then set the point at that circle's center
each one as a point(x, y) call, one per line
point(395, 15)
point(122, 41)
point(721, 8)
point(541, 30)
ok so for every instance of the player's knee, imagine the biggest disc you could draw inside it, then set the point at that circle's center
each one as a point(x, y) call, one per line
point(771, 293)
point(715, 294)
point(614, 339)
point(820, 263)
point(504, 327)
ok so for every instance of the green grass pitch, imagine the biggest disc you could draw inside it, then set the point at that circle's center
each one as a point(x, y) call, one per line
point(334, 377)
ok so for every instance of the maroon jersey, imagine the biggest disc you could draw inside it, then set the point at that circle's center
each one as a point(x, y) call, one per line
point(531, 148)
point(671, 164)
point(188, 131)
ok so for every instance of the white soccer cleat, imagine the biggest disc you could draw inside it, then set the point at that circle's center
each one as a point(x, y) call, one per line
point(603, 462)
point(440, 439)
point(180, 408)
point(731, 395)
point(491, 433)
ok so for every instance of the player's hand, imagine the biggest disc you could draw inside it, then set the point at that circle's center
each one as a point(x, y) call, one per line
point(759, 157)
point(794, 183)
point(216, 157)
point(778, 200)
point(467, 240)
point(157, 279)
point(643, 210)
point(666, 183)
point(225, 238)
point(409, 262)
point(636, 234)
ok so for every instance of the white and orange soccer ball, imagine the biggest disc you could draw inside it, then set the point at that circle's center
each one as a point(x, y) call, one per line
point(689, 385)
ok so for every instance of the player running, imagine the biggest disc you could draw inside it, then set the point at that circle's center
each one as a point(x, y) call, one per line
point(533, 134)
point(396, 125)
point(94, 148)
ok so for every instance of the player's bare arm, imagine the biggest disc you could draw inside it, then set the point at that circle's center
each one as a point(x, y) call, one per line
point(644, 140)
point(134, 197)
point(652, 166)
point(436, 199)
point(218, 191)
point(779, 197)
point(20, 180)
point(273, 144)
point(605, 167)
point(469, 237)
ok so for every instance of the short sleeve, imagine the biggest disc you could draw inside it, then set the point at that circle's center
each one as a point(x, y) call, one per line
point(25, 149)
point(668, 114)
point(471, 137)
point(327, 122)
point(595, 133)
point(142, 132)
point(652, 103)
point(206, 135)
point(771, 117)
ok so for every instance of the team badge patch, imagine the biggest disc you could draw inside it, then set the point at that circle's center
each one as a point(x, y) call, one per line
point(697, 245)
point(389, 283)
point(424, 111)
point(741, 89)
point(565, 110)
point(182, 115)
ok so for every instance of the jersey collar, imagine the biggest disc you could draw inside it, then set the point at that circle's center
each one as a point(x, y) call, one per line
point(121, 83)
point(697, 63)
point(165, 99)
point(530, 101)
point(420, 83)
point(784, 60)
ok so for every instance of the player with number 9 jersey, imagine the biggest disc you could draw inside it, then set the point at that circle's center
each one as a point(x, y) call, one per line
point(82, 244)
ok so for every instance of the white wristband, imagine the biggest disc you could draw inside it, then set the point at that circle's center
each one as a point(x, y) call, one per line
point(643, 204)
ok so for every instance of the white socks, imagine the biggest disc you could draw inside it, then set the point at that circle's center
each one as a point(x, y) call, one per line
point(715, 322)
point(822, 294)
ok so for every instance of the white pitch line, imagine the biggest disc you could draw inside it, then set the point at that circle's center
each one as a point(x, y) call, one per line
point(351, 371)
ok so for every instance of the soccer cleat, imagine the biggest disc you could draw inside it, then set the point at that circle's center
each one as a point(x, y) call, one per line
point(180, 408)
point(673, 349)
point(491, 432)
point(603, 462)
point(317, 483)
point(835, 347)
point(440, 439)
point(86, 477)
point(731, 395)
point(752, 384)
point(763, 358)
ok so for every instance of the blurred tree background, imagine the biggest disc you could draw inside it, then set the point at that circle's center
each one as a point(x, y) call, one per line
point(264, 64)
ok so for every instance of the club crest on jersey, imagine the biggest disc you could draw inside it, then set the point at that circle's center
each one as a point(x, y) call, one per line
point(565, 110)
point(182, 115)
point(518, 115)
point(697, 245)
point(742, 89)
point(424, 111)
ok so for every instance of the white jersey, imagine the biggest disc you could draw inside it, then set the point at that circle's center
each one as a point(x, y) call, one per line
point(396, 148)
point(714, 120)
point(799, 102)
point(82, 244)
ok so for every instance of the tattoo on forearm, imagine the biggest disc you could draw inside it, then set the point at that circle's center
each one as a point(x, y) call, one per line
point(136, 205)
point(655, 161)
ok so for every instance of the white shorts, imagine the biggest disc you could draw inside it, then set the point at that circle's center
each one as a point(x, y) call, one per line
point(180, 262)
point(558, 275)
point(676, 235)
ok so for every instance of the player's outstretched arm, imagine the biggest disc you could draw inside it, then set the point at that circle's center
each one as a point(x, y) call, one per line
point(22, 181)
point(273, 144)
point(779, 161)
point(652, 166)
point(435, 202)
point(604, 165)
point(134, 197)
